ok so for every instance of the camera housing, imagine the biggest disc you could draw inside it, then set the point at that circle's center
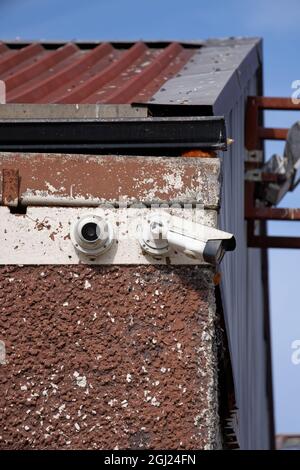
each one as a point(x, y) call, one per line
point(92, 235)
point(160, 233)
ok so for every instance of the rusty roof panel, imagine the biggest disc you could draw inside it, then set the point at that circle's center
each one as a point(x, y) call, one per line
point(3, 47)
point(209, 74)
point(95, 73)
point(11, 59)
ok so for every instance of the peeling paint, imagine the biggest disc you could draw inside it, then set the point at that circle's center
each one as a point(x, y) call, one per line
point(42, 236)
point(87, 180)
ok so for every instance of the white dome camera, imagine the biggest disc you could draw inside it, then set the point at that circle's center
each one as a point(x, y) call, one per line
point(92, 235)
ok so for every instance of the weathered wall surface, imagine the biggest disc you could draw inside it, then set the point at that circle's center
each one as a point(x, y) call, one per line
point(108, 357)
point(68, 179)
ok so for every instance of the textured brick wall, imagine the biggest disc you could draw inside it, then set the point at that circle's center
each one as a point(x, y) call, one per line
point(108, 357)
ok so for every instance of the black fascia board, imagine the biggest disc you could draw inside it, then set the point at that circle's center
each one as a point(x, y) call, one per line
point(52, 135)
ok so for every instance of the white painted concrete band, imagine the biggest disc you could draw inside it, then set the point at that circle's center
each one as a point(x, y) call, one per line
point(42, 236)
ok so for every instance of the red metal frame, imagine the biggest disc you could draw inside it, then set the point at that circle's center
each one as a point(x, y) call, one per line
point(255, 134)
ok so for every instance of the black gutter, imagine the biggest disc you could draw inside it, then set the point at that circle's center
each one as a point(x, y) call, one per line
point(96, 135)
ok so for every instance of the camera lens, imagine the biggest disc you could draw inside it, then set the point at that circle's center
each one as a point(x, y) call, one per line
point(90, 232)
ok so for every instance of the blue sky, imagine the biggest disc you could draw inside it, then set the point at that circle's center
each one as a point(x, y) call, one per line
point(277, 22)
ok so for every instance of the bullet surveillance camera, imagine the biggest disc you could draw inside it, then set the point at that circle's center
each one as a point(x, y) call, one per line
point(160, 233)
point(92, 235)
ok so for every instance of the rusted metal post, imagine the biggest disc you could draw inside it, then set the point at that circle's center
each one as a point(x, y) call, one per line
point(10, 187)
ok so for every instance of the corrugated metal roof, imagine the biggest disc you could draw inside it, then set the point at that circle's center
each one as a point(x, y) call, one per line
point(210, 74)
point(101, 73)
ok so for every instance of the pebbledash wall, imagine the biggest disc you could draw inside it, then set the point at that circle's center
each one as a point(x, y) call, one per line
point(108, 358)
point(128, 356)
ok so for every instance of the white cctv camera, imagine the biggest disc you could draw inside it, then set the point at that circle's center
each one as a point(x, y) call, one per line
point(92, 235)
point(160, 233)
